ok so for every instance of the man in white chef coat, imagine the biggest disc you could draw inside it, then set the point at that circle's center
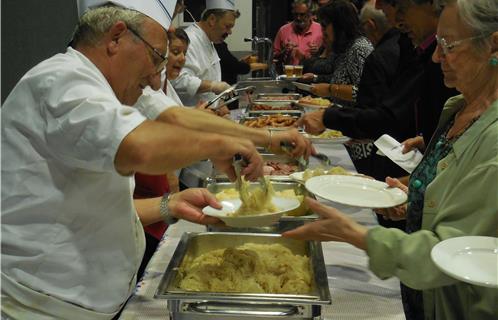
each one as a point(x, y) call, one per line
point(72, 236)
point(200, 79)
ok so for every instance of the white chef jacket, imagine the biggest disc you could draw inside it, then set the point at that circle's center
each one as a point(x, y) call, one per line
point(171, 92)
point(71, 239)
point(153, 102)
point(203, 63)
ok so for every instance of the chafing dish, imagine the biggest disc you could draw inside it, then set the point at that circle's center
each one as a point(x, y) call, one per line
point(275, 97)
point(189, 305)
point(274, 107)
point(245, 120)
point(290, 221)
point(281, 158)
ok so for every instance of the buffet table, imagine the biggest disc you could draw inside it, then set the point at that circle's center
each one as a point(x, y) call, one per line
point(356, 292)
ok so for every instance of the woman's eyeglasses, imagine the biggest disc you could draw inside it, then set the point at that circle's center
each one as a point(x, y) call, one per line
point(448, 47)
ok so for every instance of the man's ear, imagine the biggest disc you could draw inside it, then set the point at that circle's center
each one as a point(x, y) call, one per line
point(114, 34)
point(212, 19)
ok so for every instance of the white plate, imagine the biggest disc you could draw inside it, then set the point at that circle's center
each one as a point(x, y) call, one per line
point(297, 176)
point(356, 191)
point(231, 205)
point(279, 177)
point(316, 139)
point(302, 86)
point(284, 77)
point(471, 259)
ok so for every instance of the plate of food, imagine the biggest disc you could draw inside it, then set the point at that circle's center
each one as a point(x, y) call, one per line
point(232, 214)
point(471, 259)
point(317, 103)
point(328, 136)
point(356, 191)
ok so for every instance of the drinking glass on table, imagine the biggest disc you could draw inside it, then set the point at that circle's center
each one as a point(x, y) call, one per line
point(289, 70)
point(298, 71)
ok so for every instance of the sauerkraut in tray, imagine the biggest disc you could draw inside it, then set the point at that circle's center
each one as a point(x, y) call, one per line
point(249, 268)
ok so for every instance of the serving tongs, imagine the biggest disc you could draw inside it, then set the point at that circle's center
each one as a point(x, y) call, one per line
point(210, 104)
point(288, 147)
point(228, 96)
point(238, 163)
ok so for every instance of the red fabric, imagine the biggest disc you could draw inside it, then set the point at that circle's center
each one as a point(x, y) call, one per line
point(147, 186)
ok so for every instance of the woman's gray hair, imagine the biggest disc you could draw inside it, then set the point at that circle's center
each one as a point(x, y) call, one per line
point(94, 23)
point(480, 15)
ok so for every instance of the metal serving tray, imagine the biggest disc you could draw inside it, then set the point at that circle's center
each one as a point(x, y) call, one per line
point(284, 113)
point(188, 305)
point(272, 97)
point(285, 223)
point(291, 108)
point(222, 177)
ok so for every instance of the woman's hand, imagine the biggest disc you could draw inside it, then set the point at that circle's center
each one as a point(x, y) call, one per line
point(413, 143)
point(312, 122)
point(307, 77)
point(395, 213)
point(332, 226)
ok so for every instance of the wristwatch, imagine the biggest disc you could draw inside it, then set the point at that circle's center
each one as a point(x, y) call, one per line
point(164, 211)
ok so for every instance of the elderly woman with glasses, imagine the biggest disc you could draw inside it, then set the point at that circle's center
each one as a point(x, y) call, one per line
point(453, 191)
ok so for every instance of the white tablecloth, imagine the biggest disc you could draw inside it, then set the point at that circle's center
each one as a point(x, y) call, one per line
point(356, 292)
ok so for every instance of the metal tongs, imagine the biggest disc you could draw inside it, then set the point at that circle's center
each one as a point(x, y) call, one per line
point(288, 147)
point(238, 163)
point(229, 95)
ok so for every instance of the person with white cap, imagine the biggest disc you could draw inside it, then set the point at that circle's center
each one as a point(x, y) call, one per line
point(200, 79)
point(72, 237)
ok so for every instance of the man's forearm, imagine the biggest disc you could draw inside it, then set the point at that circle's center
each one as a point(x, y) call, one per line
point(156, 148)
point(201, 121)
point(148, 210)
point(205, 86)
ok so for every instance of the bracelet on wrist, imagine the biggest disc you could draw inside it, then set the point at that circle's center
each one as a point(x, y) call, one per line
point(164, 210)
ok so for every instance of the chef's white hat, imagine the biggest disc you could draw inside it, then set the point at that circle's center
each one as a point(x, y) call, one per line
point(159, 10)
point(220, 4)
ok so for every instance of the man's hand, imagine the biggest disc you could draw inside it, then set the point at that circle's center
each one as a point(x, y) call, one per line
point(258, 66)
point(219, 86)
point(321, 89)
point(222, 111)
point(188, 205)
point(302, 146)
point(313, 48)
point(229, 147)
point(332, 226)
point(395, 213)
point(312, 122)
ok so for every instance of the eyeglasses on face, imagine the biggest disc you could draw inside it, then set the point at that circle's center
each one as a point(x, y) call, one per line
point(161, 59)
point(448, 47)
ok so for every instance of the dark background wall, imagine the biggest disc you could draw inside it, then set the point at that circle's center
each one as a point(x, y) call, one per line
point(32, 30)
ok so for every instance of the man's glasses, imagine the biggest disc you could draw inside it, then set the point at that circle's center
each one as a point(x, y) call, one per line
point(447, 47)
point(161, 59)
